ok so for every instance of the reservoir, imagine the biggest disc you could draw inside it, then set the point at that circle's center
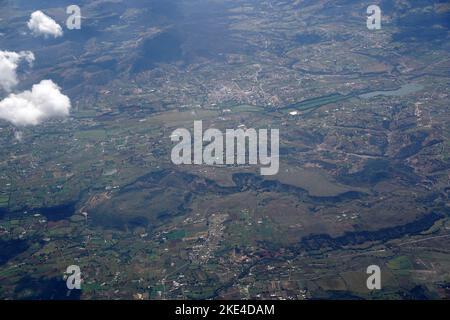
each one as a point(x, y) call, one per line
point(403, 91)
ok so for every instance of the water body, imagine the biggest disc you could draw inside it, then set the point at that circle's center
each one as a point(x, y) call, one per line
point(406, 89)
point(318, 102)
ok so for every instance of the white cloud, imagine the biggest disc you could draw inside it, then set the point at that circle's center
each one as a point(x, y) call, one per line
point(41, 24)
point(44, 101)
point(9, 61)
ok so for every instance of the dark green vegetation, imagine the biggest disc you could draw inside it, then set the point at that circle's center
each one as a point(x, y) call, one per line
point(317, 102)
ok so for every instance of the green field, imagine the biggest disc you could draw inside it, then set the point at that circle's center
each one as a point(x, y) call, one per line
point(316, 102)
point(176, 235)
point(400, 263)
point(4, 199)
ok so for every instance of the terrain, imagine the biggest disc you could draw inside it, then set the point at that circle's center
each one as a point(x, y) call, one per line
point(364, 152)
